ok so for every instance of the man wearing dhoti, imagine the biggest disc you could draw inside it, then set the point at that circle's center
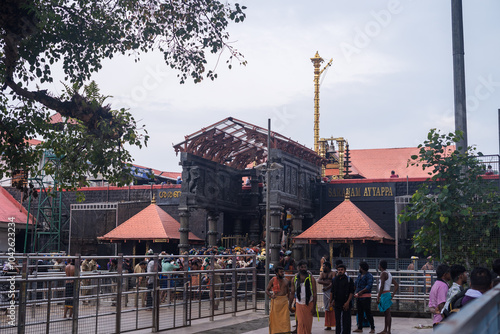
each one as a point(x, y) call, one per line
point(304, 290)
point(325, 279)
point(278, 292)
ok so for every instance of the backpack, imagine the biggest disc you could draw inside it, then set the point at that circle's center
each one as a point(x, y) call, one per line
point(455, 304)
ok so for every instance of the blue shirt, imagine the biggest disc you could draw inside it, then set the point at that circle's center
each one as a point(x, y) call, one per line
point(364, 281)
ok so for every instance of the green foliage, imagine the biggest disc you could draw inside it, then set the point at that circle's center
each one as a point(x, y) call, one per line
point(83, 154)
point(458, 208)
point(38, 35)
point(17, 127)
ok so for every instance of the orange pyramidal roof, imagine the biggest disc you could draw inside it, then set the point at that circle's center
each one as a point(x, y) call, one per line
point(149, 224)
point(345, 222)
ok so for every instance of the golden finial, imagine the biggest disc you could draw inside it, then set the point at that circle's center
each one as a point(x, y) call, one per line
point(347, 195)
point(153, 200)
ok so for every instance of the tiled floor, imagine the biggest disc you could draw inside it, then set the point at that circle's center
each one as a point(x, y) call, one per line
point(256, 323)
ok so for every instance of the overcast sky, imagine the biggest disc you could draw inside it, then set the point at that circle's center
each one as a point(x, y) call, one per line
point(390, 82)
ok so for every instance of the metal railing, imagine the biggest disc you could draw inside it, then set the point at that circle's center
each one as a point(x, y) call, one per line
point(480, 316)
point(33, 301)
point(490, 163)
point(112, 302)
point(393, 264)
point(412, 297)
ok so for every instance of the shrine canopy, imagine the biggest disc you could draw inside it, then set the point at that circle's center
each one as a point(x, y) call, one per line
point(344, 224)
point(152, 223)
point(237, 144)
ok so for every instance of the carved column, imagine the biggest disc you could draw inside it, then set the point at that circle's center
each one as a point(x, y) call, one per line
point(276, 233)
point(296, 230)
point(184, 230)
point(238, 226)
point(213, 218)
point(254, 229)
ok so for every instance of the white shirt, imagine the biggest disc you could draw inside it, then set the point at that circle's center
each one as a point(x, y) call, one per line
point(302, 300)
point(150, 269)
point(387, 283)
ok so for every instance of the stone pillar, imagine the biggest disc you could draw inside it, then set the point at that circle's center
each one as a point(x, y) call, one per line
point(238, 226)
point(254, 228)
point(296, 230)
point(184, 230)
point(276, 233)
point(213, 217)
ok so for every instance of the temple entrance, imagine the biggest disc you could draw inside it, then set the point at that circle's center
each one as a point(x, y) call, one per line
point(218, 160)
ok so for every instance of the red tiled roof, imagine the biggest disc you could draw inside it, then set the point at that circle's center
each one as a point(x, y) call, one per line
point(57, 118)
point(34, 142)
point(378, 163)
point(170, 175)
point(335, 171)
point(345, 222)
point(10, 208)
point(149, 224)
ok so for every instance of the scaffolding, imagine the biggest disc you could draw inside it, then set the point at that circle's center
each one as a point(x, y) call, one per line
point(52, 220)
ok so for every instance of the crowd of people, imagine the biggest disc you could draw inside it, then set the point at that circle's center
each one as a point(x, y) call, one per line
point(299, 295)
point(339, 292)
point(198, 260)
point(449, 292)
point(226, 257)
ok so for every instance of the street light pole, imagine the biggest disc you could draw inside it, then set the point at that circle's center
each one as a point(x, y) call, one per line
point(459, 72)
point(268, 212)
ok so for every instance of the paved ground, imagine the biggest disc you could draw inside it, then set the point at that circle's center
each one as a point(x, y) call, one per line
point(256, 323)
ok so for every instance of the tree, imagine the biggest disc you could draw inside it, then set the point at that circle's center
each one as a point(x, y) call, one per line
point(459, 209)
point(38, 35)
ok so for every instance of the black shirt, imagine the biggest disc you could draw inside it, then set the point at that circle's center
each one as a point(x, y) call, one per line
point(341, 288)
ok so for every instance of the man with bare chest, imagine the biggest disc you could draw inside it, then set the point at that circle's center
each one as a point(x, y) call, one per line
point(279, 314)
point(325, 279)
point(70, 286)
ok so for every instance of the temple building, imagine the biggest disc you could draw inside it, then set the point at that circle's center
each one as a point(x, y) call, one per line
point(232, 173)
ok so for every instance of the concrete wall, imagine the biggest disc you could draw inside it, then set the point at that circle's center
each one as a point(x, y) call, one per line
point(87, 225)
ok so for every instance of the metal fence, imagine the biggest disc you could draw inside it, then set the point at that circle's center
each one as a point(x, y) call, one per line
point(481, 316)
point(34, 301)
point(393, 264)
point(411, 299)
point(490, 163)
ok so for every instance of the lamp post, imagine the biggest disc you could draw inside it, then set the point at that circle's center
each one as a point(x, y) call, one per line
point(268, 212)
point(267, 168)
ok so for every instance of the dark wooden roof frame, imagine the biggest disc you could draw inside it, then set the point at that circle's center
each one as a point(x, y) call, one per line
point(238, 144)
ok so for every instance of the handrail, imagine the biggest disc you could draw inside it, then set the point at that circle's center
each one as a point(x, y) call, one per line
point(481, 316)
point(109, 294)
